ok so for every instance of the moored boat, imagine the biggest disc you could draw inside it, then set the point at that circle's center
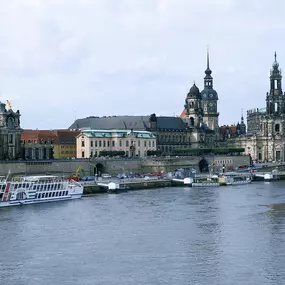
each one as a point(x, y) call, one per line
point(234, 179)
point(37, 189)
point(206, 181)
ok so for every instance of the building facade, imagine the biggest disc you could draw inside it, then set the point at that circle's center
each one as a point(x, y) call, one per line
point(196, 127)
point(48, 144)
point(133, 143)
point(10, 133)
point(265, 138)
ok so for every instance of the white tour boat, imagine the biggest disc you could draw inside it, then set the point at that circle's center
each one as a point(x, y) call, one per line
point(235, 179)
point(37, 189)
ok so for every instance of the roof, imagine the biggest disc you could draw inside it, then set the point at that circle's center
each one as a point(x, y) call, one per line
point(183, 114)
point(116, 134)
point(138, 123)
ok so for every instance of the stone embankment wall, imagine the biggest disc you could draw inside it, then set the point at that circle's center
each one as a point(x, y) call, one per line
point(115, 166)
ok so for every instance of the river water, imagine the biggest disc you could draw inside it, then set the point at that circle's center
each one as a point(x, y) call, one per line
point(226, 236)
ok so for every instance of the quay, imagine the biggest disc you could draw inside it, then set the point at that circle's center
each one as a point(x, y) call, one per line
point(93, 188)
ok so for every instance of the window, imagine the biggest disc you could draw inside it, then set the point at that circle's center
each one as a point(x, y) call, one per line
point(149, 143)
point(83, 143)
point(278, 155)
point(104, 144)
point(11, 138)
point(120, 143)
point(91, 143)
point(96, 144)
point(108, 143)
point(113, 143)
point(83, 154)
point(29, 141)
point(127, 143)
point(152, 143)
point(139, 143)
point(100, 143)
point(35, 141)
point(144, 143)
point(91, 155)
point(277, 128)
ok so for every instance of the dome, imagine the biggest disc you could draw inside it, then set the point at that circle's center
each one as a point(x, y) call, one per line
point(194, 91)
point(209, 94)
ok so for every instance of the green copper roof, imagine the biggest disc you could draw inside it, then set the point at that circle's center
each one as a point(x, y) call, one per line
point(116, 134)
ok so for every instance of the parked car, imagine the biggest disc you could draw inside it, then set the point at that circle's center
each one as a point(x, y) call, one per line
point(106, 175)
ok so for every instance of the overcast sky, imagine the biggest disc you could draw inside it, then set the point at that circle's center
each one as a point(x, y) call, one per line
point(67, 59)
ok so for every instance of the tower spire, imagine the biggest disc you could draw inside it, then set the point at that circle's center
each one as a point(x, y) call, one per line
point(208, 62)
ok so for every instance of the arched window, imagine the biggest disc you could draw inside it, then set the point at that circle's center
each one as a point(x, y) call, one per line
point(191, 122)
point(10, 123)
point(277, 128)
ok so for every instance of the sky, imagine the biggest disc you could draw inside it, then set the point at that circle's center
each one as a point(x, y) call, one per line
point(62, 60)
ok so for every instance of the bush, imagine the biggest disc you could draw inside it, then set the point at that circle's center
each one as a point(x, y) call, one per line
point(112, 153)
point(201, 151)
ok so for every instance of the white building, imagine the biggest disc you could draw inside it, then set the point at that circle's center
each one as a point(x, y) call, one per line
point(89, 143)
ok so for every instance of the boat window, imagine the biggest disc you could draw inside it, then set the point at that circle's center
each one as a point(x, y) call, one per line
point(60, 193)
point(53, 194)
point(66, 193)
point(46, 195)
point(56, 194)
point(49, 194)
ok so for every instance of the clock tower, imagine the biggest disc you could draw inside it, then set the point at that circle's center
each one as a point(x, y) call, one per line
point(209, 100)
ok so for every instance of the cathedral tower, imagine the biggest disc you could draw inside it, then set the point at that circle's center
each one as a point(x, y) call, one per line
point(275, 98)
point(209, 100)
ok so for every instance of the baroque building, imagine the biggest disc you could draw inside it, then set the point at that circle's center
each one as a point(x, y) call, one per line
point(196, 127)
point(265, 137)
point(10, 133)
point(201, 114)
point(134, 143)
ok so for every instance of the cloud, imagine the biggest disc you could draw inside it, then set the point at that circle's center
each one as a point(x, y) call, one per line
point(134, 57)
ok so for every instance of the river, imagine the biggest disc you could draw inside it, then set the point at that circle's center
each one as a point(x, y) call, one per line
point(225, 236)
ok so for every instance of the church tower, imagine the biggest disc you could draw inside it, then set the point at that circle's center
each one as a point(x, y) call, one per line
point(193, 107)
point(275, 98)
point(210, 100)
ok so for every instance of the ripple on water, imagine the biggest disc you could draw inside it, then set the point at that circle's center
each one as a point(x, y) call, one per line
point(230, 235)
